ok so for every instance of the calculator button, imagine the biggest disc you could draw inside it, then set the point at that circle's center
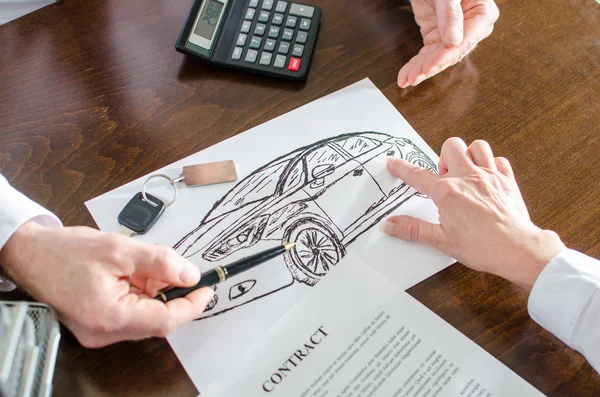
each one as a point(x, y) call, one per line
point(273, 32)
point(259, 30)
point(305, 24)
point(294, 64)
point(264, 16)
point(298, 50)
point(237, 53)
point(288, 34)
point(251, 56)
point(250, 14)
point(241, 40)
point(265, 58)
point(269, 45)
point(301, 37)
point(302, 10)
point(255, 42)
point(279, 61)
point(277, 19)
point(246, 27)
point(267, 5)
point(253, 3)
point(281, 6)
point(284, 48)
point(291, 22)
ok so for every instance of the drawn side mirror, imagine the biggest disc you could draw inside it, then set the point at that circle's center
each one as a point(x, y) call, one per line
point(319, 173)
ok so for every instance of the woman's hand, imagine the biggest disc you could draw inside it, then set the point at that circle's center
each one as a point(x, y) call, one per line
point(450, 30)
point(484, 222)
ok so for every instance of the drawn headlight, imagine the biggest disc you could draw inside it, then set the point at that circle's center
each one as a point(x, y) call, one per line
point(422, 160)
point(238, 239)
point(243, 237)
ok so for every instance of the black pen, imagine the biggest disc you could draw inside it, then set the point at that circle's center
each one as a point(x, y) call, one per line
point(220, 274)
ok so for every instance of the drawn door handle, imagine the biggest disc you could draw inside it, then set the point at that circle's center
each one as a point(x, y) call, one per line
point(357, 172)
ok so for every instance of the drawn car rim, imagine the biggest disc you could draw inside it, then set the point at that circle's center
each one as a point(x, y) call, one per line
point(316, 252)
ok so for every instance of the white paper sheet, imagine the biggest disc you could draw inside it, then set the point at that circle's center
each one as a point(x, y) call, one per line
point(330, 195)
point(358, 335)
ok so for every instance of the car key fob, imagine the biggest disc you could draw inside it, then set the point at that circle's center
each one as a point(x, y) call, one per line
point(139, 216)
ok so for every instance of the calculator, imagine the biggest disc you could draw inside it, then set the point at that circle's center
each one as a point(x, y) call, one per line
point(271, 37)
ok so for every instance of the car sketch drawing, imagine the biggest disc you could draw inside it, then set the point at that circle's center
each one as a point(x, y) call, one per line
point(322, 196)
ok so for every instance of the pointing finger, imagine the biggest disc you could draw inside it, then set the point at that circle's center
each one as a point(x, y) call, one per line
point(417, 177)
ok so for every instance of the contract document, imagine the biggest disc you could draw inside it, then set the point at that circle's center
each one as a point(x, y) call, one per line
point(358, 335)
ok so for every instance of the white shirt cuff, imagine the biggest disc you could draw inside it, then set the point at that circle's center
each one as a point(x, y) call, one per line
point(16, 209)
point(565, 290)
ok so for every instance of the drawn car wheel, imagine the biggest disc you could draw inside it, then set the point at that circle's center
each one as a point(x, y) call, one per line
point(317, 251)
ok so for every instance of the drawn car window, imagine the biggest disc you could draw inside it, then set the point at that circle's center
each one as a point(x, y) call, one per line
point(323, 161)
point(295, 178)
point(257, 186)
point(358, 145)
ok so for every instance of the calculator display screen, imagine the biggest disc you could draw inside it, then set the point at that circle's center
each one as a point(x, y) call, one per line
point(208, 19)
point(207, 23)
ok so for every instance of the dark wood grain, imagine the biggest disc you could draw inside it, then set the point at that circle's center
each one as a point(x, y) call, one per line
point(93, 95)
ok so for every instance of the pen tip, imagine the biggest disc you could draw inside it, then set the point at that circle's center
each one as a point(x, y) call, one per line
point(289, 246)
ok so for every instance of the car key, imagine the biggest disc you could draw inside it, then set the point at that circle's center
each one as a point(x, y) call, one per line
point(143, 210)
point(139, 215)
point(208, 173)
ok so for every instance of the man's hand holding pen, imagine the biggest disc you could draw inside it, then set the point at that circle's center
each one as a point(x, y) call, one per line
point(101, 284)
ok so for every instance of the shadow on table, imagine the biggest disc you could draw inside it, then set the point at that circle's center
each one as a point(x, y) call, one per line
point(195, 70)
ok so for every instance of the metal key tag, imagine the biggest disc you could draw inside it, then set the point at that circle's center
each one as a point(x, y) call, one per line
point(140, 215)
point(208, 173)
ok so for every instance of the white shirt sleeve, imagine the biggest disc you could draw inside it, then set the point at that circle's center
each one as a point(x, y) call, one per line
point(15, 210)
point(565, 300)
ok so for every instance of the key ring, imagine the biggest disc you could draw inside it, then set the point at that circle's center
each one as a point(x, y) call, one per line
point(171, 182)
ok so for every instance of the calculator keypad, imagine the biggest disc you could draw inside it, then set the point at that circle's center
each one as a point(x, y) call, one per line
point(302, 10)
point(298, 50)
point(287, 35)
point(237, 53)
point(277, 19)
point(260, 29)
point(273, 33)
point(279, 61)
point(301, 37)
point(264, 16)
point(305, 24)
point(265, 58)
point(251, 56)
point(284, 48)
point(255, 42)
point(267, 5)
point(246, 27)
point(270, 45)
point(294, 64)
point(281, 6)
point(241, 39)
point(291, 22)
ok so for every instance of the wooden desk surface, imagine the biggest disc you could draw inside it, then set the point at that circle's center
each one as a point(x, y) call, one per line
point(93, 95)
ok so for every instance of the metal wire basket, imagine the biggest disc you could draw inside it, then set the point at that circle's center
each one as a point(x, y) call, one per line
point(29, 336)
